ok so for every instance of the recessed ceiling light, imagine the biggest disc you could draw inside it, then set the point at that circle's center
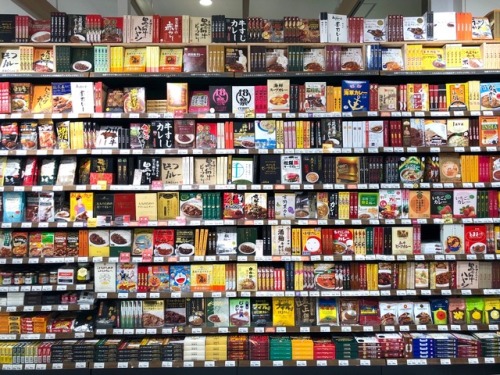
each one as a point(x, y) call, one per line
point(206, 3)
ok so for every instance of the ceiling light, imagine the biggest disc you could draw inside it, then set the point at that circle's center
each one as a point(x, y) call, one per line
point(206, 3)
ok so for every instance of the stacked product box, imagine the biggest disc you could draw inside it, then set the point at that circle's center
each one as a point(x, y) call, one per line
point(194, 348)
point(237, 348)
point(302, 349)
point(324, 350)
point(259, 347)
point(280, 349)
point(345, 347)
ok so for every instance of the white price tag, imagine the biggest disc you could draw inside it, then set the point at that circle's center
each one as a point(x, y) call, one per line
point(122, 365)
point(209, 364)
point(392, 362)
point(143, 364)
point(254, 363)
point(321, 363)
point(365, 362)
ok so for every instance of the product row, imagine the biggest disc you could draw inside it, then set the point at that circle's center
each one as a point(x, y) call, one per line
point(46, 323)
point(260, 241)
point(327, 27)
point(76, 300)
point(295, 311)
point(294, 276)
point(255, 348)
point(271, 96)
point(145, 172)
point(109, 208)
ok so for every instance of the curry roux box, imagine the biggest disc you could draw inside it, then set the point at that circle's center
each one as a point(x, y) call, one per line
point(217, 312)
point(283, 311)
point(261, 312)
point(195, 311)
point(168, 205)
point(120, 241)
point(475, 239)
point(239, 312)
point(305, 311)
point(146, 206)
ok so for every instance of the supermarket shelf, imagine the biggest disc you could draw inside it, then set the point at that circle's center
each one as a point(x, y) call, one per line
point(303, 329)
point(232, 258)
point(45, 288)
point(61, 307)
point(243, 151)
point(265, 187)
point(183, 222)
point(46, 336)
point(312, 293)
point(268, 363)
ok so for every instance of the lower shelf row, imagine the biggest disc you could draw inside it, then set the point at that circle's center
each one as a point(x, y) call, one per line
point(259, 348)
point(209, 364)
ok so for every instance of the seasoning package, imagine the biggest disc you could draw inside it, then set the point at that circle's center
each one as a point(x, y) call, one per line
point(492, 310)
point(422, 313)
point(475, 310)
point(369, 312)
point(388, 311)
point(349, 311)
point(439, 308)
point(421, 275)
point(456, 309)
point(405, 313)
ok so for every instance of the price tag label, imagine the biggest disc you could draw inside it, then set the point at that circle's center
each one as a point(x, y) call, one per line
point(473, 361)
point(343, 362)
point(209, 364)
point(442, 328)
point(325, 329)
point(445, 361)
point(305, 329)
point(188, 364)
point(98, 364)
point(254, 363)
point(80, 364)
point(122, 365)
point(301, 363)
point(489, 360)
point(389, 328)
point(321, 363)
point(346, 329)
point(392, 362)
point(277, 363)
point(230, 363)
point(365, 362)
point(143, 364)
point(281, 329)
